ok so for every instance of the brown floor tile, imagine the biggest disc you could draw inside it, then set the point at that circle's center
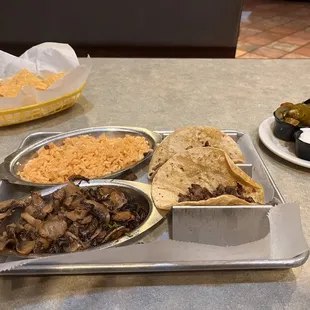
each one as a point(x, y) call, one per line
point(240, 53)
point(289, 9)
point(300, 21)
point(282, 19)
point(293, 6)
point(246, 32)
point(307, 46)
point(283, 30)
point(294, 40)
point(287, 28)
point(263, 38)
point(256, 19)
point(270, 13)
point(269, 52)
point(245, 24)
point(294, 56)
point(241, 37)
point(263, 25)
point(275, 29)
point(268, 6)
point(260, 26)
point(246, 46)
point(305, 50)
point(304, 12)
point(286, 47)
point(302, 34)
point(251, 55)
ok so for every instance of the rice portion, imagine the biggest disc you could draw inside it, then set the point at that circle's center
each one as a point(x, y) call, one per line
point(84, 155)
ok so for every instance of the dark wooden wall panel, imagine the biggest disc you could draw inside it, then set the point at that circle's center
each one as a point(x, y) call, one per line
point(123, 28)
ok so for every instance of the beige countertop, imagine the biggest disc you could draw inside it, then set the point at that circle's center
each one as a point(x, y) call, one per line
point(166, 94)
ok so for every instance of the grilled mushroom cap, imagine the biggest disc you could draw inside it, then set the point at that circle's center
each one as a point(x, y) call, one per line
point(25, 247)
point(116, 233)
point(69, 220)
point(98, 210)
point(53, 228)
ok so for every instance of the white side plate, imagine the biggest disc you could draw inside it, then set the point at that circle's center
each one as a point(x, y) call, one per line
point(283, 149)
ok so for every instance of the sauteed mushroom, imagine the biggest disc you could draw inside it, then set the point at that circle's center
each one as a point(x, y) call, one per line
point(116, 233)
point(86, 220)
point(25, 247)
point(42, 244)
point(70, 219)
point(112, 198)
point(30, 219)
point(96, 233)
point(5, 241)
point(5, 214)
point(53, 228)
point(60, 194)
point(123, 216)
point(117, 200)
point(8, 207)
point(38, 208)
point(5, 205)
point(98, 210)
point(74, 243)
point(77, 214)
point(86, 231)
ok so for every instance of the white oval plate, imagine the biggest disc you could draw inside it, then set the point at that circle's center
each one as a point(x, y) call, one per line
point(283, 149)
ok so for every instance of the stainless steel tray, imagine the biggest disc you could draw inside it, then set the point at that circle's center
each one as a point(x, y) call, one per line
point(254, 167)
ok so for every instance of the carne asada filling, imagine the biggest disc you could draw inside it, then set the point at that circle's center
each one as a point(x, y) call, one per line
point(196, 193)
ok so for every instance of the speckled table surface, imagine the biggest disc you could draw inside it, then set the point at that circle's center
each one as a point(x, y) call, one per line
point(166, 94)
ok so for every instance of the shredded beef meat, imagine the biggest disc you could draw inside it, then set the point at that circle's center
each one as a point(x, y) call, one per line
point(196, 193)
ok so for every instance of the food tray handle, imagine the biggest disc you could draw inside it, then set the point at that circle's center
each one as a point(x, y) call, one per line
point(35, 137)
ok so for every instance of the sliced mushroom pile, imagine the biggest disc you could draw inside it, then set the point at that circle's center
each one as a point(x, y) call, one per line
point(70, 219)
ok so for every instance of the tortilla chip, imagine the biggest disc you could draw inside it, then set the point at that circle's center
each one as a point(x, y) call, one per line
point(13, 86)
point(190, 137)
point(53, 78)
point(206, 166)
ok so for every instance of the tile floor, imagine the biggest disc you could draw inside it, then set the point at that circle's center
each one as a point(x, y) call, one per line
point(274, 29)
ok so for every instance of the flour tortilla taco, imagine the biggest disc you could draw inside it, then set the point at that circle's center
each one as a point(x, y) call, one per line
point(190, 137)
point(203, 176)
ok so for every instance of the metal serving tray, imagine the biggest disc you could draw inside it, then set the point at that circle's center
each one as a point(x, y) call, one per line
point(254, 167)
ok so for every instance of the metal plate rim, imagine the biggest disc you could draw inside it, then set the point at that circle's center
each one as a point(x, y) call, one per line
point(158, 267)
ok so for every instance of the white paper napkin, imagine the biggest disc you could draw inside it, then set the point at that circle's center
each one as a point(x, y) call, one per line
point(43, 60)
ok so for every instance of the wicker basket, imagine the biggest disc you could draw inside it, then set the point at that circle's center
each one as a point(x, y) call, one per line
point(35, 111)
